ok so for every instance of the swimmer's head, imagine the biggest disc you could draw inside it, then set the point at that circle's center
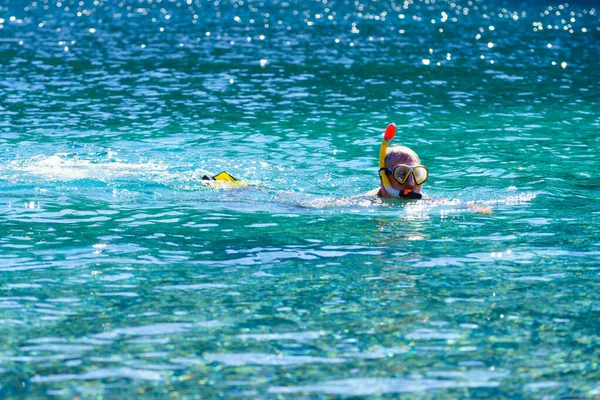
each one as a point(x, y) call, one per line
point(404, 169)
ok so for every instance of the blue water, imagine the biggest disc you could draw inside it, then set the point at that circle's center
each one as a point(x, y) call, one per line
point(123, 276)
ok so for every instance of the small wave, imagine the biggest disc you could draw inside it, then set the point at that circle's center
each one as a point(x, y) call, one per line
point(379, 386)
point(103, 373)
point(241, 359)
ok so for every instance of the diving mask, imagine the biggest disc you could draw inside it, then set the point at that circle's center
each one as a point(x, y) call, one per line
point(403, 171)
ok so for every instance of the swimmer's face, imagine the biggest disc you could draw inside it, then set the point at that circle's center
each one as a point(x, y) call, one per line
point(409, 183)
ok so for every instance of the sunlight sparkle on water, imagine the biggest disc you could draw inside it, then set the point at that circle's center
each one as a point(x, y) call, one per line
point(114, 245)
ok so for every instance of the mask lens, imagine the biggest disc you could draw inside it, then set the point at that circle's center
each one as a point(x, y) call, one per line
point(401, 173)
point(420, 174)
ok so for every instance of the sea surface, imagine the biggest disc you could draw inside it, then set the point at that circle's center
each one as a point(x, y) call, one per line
point(122, 275)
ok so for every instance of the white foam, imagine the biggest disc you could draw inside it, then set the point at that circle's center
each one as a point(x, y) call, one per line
point(59, 167)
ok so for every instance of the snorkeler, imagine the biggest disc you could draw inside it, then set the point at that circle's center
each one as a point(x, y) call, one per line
point(400, 171)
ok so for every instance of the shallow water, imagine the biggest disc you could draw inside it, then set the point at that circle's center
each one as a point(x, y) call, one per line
point(123, 276)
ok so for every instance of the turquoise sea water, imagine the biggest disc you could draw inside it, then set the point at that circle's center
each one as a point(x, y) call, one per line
point(122, 276)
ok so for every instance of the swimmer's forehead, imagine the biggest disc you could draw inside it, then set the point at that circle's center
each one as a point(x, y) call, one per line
point(401, 155)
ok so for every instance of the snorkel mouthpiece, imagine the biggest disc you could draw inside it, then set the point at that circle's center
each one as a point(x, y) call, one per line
point(409, 194)
point(388, 135)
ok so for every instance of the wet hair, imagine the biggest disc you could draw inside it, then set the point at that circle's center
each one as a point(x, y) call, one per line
point(400, 155)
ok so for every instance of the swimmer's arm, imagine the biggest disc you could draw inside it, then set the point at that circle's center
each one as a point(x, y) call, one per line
point(476, 208)
point(480, 209)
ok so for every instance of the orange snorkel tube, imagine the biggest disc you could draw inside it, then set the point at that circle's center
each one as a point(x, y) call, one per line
point(388, 135)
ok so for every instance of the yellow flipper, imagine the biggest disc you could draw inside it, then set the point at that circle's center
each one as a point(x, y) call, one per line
point(223, 180)
point(224, 176)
